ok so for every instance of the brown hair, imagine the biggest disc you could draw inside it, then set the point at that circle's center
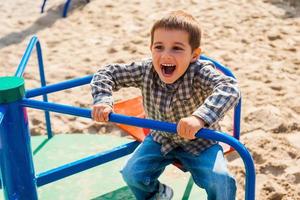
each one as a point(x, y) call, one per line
point(180, 20)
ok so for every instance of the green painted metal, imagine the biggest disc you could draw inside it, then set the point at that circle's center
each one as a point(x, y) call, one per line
point(188, 189)
point(99, 183)
point(11, 89)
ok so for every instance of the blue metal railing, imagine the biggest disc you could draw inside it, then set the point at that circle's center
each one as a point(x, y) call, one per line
point(34, 42)
point(85, 163)
point(237, 109)
point(59, 86)
point(162, 126)
point(66, 7)
point(65, 10)
point(16, 145)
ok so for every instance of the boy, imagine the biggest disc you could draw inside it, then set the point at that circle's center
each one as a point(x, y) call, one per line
point(177, 87)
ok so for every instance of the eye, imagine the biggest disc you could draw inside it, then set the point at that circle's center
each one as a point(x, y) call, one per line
point(158, 47)
point(177, 48)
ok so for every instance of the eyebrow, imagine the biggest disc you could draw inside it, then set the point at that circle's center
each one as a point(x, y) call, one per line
point(179, 43)
point(176, 43)
point(157, 43)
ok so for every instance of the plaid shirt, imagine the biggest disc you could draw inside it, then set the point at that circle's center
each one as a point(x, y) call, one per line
point(201, 91)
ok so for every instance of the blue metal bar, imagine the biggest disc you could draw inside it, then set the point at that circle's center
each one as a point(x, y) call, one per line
point(67, 4)
point(59, 86)
point(237, 120)
point(162, 126)
point(59, 108)
point(43, 83)
point(237, 109)
point(25, 58)
point(34, 42)
point(17, 171)
point(203, 133)
point(43, 6)
point(85, 163)
point(219, 66)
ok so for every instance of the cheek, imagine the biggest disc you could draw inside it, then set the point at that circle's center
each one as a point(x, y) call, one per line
point(155, 59)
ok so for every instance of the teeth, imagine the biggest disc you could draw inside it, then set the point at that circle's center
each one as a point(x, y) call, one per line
point(168, 65)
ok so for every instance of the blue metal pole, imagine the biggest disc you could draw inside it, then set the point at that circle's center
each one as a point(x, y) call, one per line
point(219, 66)
point(17, 171)
point(162, 126)
point(34, 42)
point(85, 163)
point(237, 120)
point(43, 6)
point(26, 56)
point(59, 86)
point(66, 8)
point(203, 133)
point(237, 110)
point(43, 83)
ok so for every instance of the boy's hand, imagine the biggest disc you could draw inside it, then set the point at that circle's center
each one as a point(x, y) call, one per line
point(100, 112)
point(187, 127)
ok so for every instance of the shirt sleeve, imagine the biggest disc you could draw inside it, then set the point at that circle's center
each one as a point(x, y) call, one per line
point(113, 77)
point(222, 94)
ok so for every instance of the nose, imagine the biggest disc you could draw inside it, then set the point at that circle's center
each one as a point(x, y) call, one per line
point(166, 54)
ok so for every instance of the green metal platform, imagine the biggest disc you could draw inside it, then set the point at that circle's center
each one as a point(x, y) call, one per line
point(99, 183)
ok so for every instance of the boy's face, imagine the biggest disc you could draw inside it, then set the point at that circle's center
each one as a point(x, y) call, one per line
point(172, 53)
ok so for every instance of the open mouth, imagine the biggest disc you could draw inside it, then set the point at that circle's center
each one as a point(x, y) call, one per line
point(167, 69)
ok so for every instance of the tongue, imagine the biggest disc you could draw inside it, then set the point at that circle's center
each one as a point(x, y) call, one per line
point(169, 69)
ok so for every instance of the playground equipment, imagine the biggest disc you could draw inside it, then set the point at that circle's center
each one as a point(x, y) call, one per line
point(66, 7)
point(17, 169)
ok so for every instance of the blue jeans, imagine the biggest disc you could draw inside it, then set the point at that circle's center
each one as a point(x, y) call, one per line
point(208, 170)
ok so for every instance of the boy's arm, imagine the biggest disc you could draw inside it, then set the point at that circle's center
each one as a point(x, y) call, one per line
point(223, 90)
point(114, 77)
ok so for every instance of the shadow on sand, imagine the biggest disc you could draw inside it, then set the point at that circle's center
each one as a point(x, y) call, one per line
point(291, 7)
point(47, 19)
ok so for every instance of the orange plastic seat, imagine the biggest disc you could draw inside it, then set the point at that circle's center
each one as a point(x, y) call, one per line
point(132, 107)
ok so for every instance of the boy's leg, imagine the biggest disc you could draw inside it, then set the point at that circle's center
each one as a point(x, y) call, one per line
point(209, 171)
point(144, 167)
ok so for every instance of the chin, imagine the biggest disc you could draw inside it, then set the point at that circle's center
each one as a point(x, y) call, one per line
point(168, 81)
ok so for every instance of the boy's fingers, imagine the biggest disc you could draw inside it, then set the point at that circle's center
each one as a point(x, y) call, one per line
point(192, 134)
point(99, 115)
point(105, 113)
point(92, 114)
point(96, 114)
point(179, 128)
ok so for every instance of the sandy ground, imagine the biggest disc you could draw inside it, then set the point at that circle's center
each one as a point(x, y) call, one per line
point(259, 40)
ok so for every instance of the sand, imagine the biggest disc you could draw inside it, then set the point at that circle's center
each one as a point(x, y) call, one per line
point(259, 40)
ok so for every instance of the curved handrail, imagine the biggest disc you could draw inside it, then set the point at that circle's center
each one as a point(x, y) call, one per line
point(162, 126)
point(237, 111)
point(21, 68)
point(224, 69)
point(34, 42)
point(203, 133)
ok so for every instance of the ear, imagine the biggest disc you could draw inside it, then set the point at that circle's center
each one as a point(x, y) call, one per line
point(196, 53)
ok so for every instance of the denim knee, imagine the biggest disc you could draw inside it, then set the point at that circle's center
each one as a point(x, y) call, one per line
point(218, 186)
point(133, 179)
point(128, 176)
